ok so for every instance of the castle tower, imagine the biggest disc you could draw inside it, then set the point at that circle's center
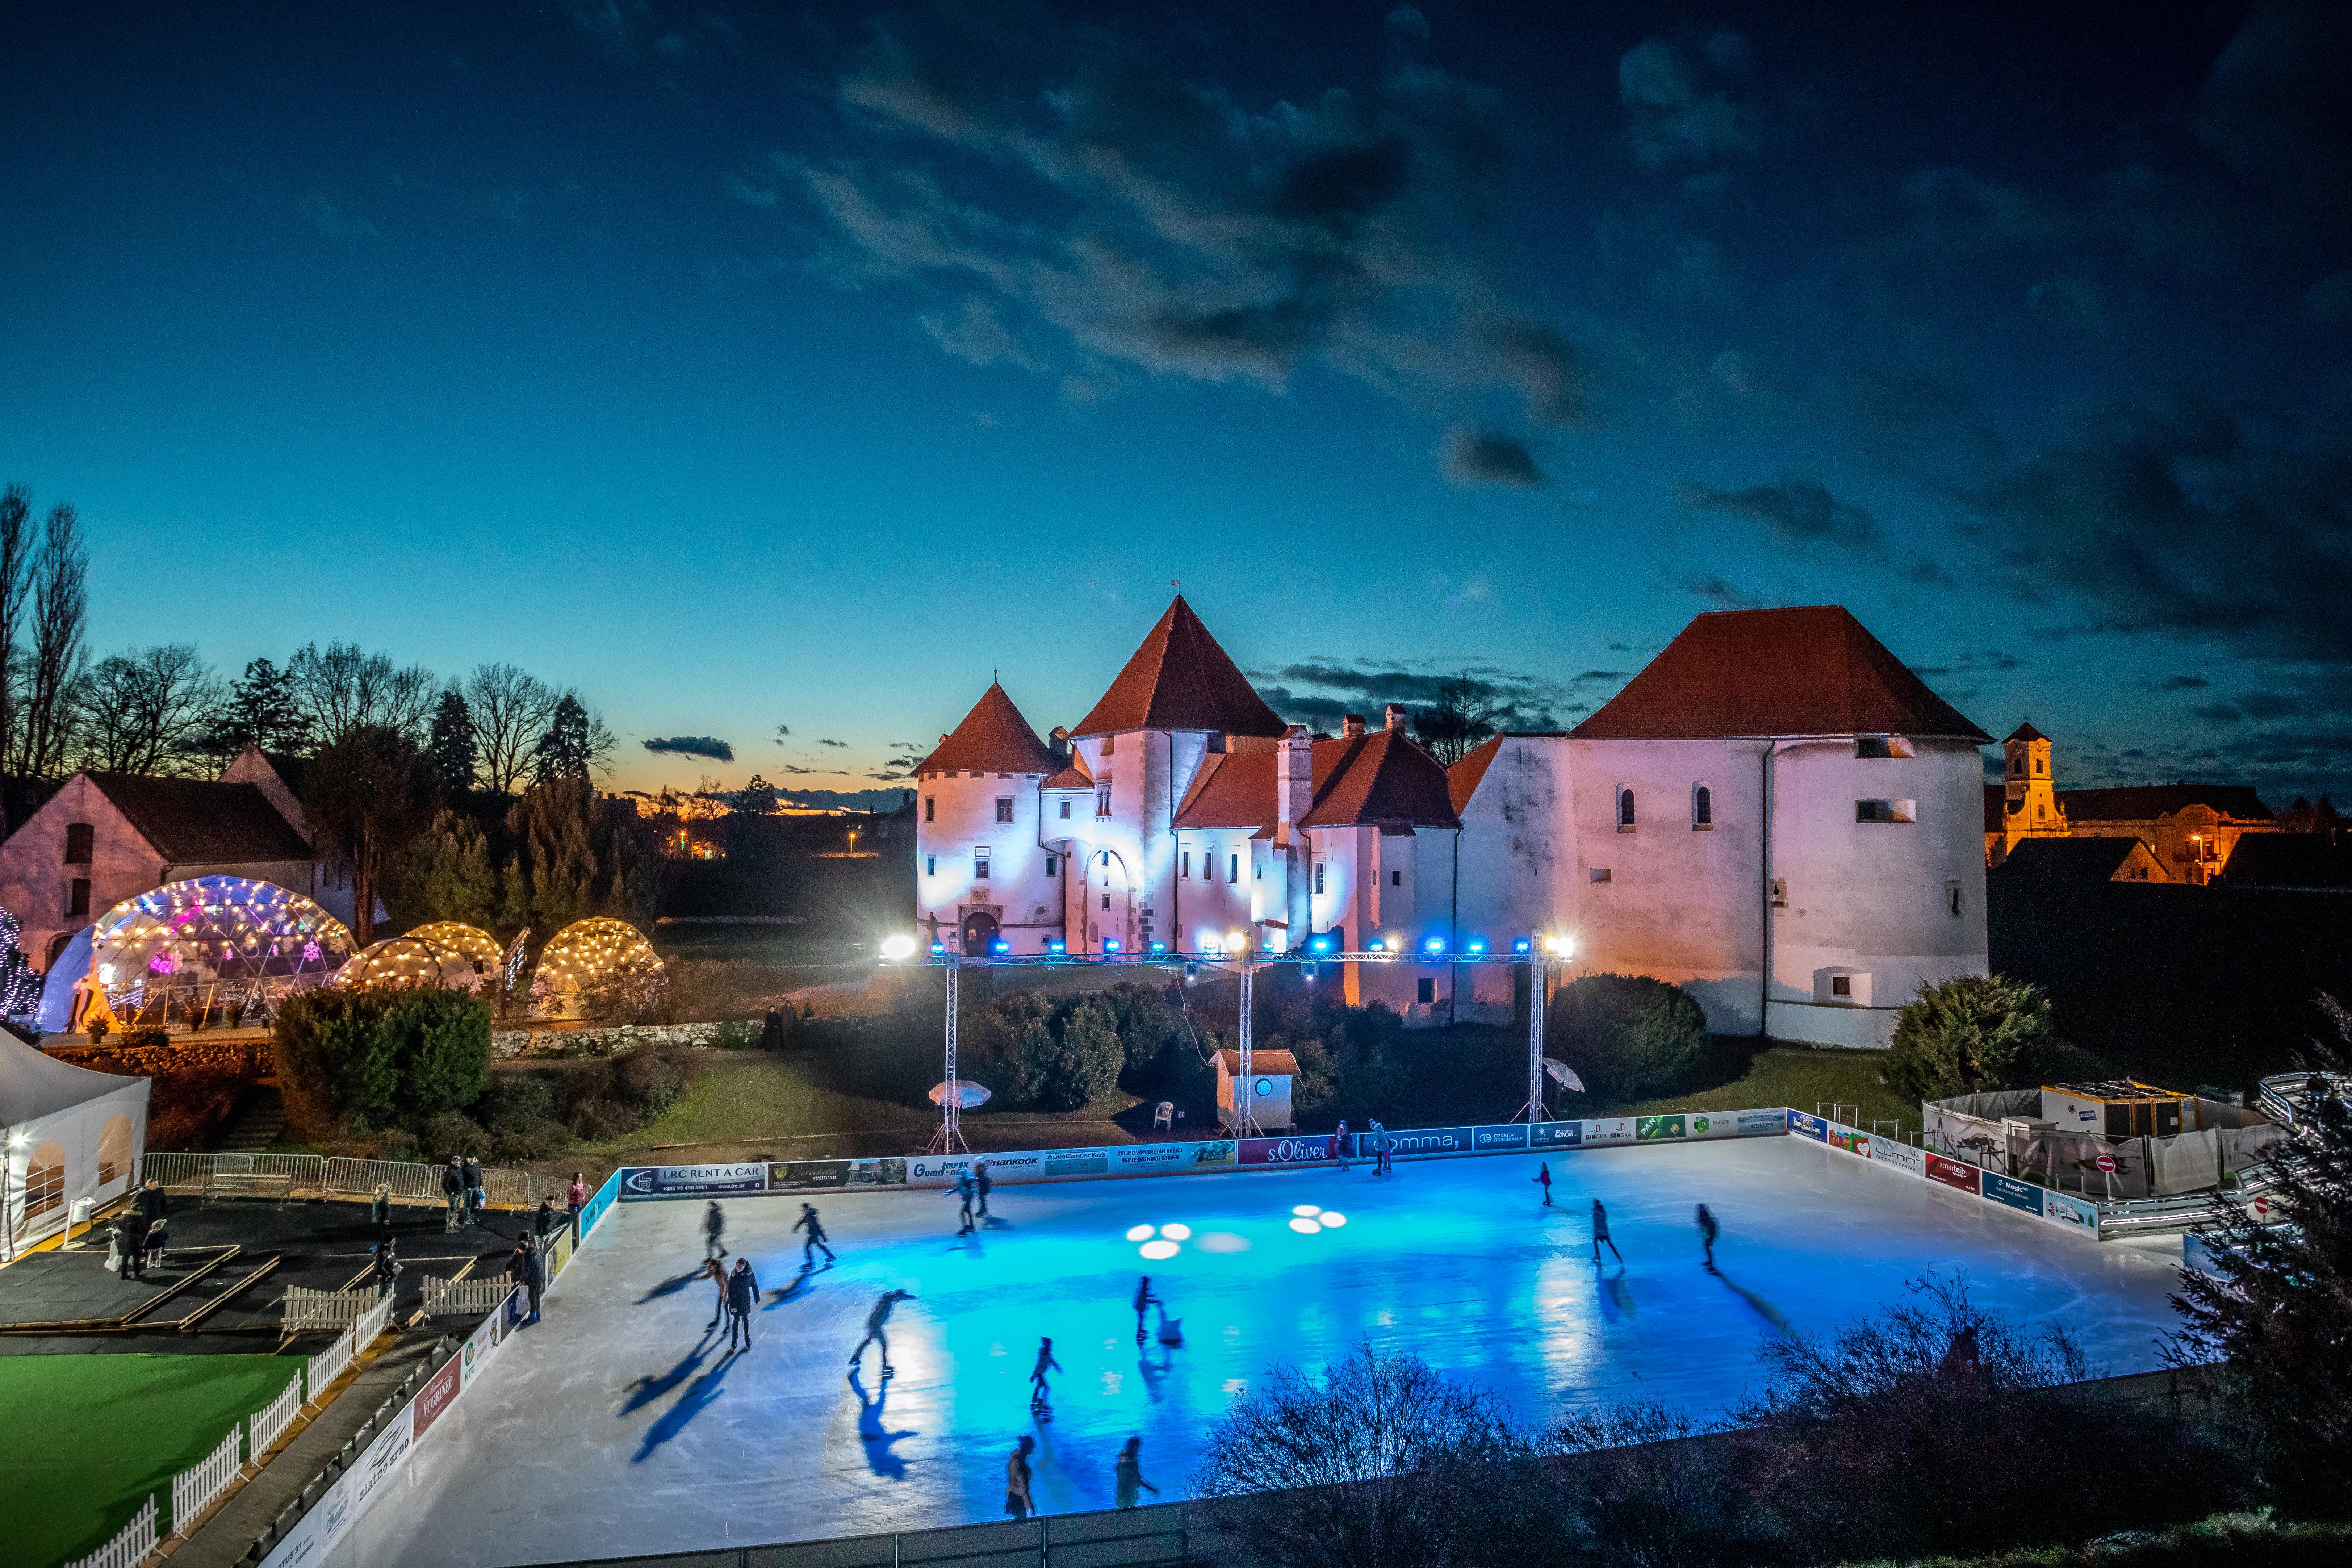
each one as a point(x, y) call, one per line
point(982, 875)
point(2028, 784)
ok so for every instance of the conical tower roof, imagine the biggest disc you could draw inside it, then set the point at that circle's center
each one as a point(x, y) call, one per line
point(1180, 680)
point(993, 738)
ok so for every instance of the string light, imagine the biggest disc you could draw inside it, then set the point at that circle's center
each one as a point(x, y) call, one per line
point(254, 935)
point(405, 963)
point(588, 956)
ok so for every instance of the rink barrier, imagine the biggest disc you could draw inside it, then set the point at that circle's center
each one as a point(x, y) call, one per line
point(2077, 1216)
point(753, 1178)
point(340, 1506)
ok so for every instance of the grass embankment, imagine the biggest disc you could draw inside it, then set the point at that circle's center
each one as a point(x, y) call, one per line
point(85, 1438)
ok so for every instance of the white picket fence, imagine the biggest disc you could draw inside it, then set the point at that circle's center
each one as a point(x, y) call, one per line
point(308, 1310)
point(328, 1364)
point(269, 1424)
point(128, 1548)
point(472, 1298)
point(193, 1490)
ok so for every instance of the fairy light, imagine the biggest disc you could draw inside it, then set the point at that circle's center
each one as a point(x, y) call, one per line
point(591, 954)
point(252, 934)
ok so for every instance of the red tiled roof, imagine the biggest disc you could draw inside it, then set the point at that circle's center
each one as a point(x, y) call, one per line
point(1075, 776)
point(1462, 778)
point(2144, 802)
point(1812, 671)
point(1381, 777)
point(2026, 732)
point(1180, 680)
point(201, 822)
point(993, 738)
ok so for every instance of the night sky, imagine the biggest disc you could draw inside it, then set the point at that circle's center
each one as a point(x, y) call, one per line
point(748, 367)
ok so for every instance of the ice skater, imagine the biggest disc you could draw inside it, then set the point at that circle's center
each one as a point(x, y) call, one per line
point(981, 1182)
point(1129, 1472)
point(1339, 1144)
point(1708, 1231)
point(714, 1226)
point(1017, 1476)
point(1144, 1302)
point(964, 1190)
point(816, 1243)
point(716, 1272)
point(742, 1295)
point(875, 1322)
point(1041, 1397)
point(1600, 1234)
point(1543, 1178)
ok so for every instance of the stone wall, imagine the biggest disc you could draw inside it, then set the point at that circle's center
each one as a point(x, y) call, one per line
point(525, 1045)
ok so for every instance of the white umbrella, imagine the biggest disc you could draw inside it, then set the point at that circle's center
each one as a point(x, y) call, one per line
point(967, 1093)
point(1562, 1075)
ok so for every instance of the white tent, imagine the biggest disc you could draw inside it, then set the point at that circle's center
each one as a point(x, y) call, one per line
point(70, 1133)
point(57, 991)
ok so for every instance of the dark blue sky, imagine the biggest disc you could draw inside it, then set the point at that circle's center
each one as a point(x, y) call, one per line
point(747, 367)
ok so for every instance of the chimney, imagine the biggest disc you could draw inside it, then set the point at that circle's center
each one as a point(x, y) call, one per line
point(1293, 788)
point(1394, 718)
point(1351, 726)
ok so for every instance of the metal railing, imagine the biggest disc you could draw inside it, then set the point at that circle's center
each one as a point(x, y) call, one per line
point(196, 1173)
point(128, 1548)
point(266, 1424)
point(311, 1175)
point(193, 1490)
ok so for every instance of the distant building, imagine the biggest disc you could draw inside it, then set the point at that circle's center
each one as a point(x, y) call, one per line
point(2190, 830)
point(2083, 860)
point(1775, 813)
point(103, 837)
point(2302, 862)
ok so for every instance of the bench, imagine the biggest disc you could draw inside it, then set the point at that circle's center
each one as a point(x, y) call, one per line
point(249, 1184)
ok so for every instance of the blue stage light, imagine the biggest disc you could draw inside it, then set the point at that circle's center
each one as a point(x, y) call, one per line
point(1000, 945)
point(1477, 944)
point(939, 947)
point(1110, 945)
point(1519, 944)
point(1321, 944)
point(1434, 944)
point(1056, 946)
point(1159, 947)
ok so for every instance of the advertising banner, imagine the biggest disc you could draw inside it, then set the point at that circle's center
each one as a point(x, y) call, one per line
point(2008, 1190)
point(1284, 1150)
point(1556, 1134)
point(2079, 1214)
point(807, 1176)
point(1710, 1124)
point(439, 1391)
point(1898, 1156)
point(1494, 1139)
point(487, 1337)
point(1647, 1129)
point(1951, 1172)
point(1151, 1159)
point(1851, 1140)
point(1805, 1126)
point(693, 1181)
point(594, 1210)
point(1618, 1130)
point(1429, 1141)
point(1762, 1123)
point(1075, 1163)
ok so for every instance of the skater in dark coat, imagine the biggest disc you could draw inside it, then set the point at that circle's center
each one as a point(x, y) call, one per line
point(453, 1192)
point(1040, 1396)
point(1708, 1231)
point(534, 1277)
point(816, 1243)
point(132, 1232)
point(875, 1320)
point(385, 1274)
point(1144, 1302)
point(1129, 1474)
point(1017, 1475)
point(1600, 1234)
point(714, 1225)
point(1543, 1176)
point(742, 1295)
point(963, 1191)
point(981, 1182)
point(476, 1200)
point(1339, 1144)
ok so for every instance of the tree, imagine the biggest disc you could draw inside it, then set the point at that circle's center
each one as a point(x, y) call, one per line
point(1086, 1057)
point(1970, 1033)
point(758, 799)
point(369, 796)
point(2309, 816)
point(16, 559)
point(576, 744)
point(145, 712)
point(60, 595)
point(459, 881)
point(556, 825)
point(2277, 1305)
point(261, 710)
point(340, 690)
point(357, 1061)
point(1463, 715)
point(1627, 1034)
point(450, 744)
point(511, 710)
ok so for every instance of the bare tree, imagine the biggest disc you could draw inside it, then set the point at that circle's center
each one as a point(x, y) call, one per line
point(145, 712)
point(341, 690)
point(512, 709)
point(15, 550)
point(370, 796)
point(59, 572)
point(1463, 715)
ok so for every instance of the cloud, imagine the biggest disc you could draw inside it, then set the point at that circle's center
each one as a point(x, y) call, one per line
point(2184, 683)
point(328, 214)
point(842, 743)
point(975, 333)
point(1320, 692)
point(1489, 458)
point(1715, 591)
point(1795, 511)
point(694, 746)
point(1670, 117)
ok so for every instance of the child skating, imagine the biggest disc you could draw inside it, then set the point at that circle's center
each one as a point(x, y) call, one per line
point(1543, 1179)
point(1041, 1397)
point(1128, 1474)
point(963, 1192)
point(1600, 1234)
point(1340, 1144)
point(1708, 1231)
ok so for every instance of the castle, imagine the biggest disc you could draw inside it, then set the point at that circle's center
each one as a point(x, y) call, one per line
point(1775, 813)
point(2186, 832)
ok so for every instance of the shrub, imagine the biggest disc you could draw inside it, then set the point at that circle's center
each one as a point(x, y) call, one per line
point(448, 1132)
point(353, 1062)
point(735, 1035)
point(188, 1108)
point(1626, 1035)
point(1086, 1057)
point(1970, 1033)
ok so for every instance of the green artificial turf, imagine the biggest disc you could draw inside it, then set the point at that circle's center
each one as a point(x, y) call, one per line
point(85, 1438)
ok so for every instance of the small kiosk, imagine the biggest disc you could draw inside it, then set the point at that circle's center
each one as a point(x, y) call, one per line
point(1268, 1090)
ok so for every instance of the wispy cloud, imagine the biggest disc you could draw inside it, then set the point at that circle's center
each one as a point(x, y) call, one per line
point(694, 746)
point(328, 215)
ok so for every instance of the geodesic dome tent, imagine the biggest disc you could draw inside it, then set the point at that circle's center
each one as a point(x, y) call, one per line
point(478, 947)
point(592, 956)
point(214, 944)
point(406, 963)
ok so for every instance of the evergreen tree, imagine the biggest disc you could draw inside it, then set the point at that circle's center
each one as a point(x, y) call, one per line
point(261, 712)
point(460, 880)
point(1970, 1033)
point(2277, 1307)
point(577, 742)
point(369, 796)
point(553, 820)
point(451, 743)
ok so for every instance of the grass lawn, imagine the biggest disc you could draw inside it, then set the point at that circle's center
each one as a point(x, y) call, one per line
point(1799, 1075)
point(85, 1438)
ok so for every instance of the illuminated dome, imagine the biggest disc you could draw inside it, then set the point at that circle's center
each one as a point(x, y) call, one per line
point(478, 947)
point(407, 963)
point(212, 943)
point(592, 955)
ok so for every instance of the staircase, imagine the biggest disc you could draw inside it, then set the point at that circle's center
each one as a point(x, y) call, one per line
point(259, 1125)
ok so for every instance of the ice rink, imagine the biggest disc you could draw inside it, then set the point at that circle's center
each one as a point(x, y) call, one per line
point(618, 1425)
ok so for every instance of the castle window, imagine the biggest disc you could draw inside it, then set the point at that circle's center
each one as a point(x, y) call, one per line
point(2017, 767)
point(1065, 809)
point(1624, 810)
point(2037, 765)
point(1053, 864)
point(1257, 870)
point(980, 864)
point(931, 808)
point(930, 865)
point(79, 837)
point(1233, 867)
point(77, 897)
point(1427, 993)
point(1003, 808)
point(1109, 743)
point(1841, 985)
point(1882, 746)
point(1106, 901)
point(1396, 879)
point(1702, 808)
point(1952, 898)
point(1102, 798)
point(1887, 811)
point(1319, 876)
point(1187, 864)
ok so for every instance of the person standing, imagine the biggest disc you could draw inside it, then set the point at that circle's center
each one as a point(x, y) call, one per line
point(534, 1276)
point(981, 1182)
point(1041, 1397)
point(1017, 1475)
point(714, 1226)
point(476, 1198)
point(1144, 1302)
point(159, 1241)
point(132, 1228)
point(380, 1213)
point(1130, 1473)
point(152, 1202)
point(742, 1295)
point(1708, 1231)
point(1339, 1144)
point(816, 1242)
point(964, 1189)
point(453, 1191)
point(1543, 1177)
point(716, 1272)
point(517, 1270)
point(575, 1198)
point(1600, 1234)
point(876, 1322)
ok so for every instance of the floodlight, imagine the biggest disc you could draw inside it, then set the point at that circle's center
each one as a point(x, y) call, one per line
point(1000, 945)
point(896, 948)
point(1159, 947)
point(1519, 944)
point(1434, 944)
point(939, 947)
point(1110, 945)
point(1321, 944)
point(1239, 941)
point(1056, 946)
point(1476, 945)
